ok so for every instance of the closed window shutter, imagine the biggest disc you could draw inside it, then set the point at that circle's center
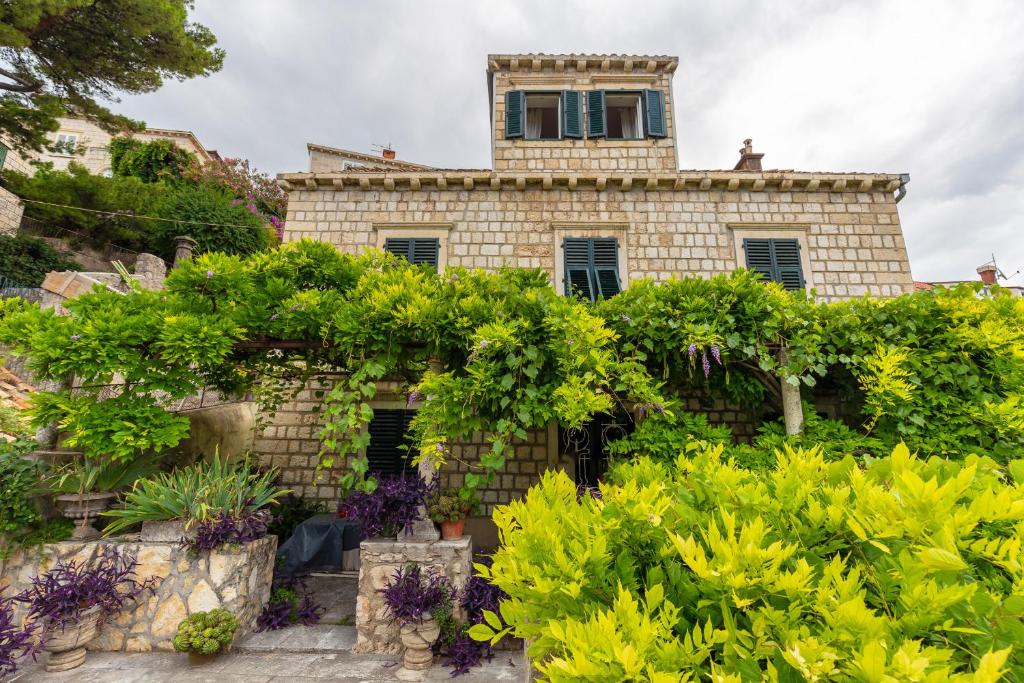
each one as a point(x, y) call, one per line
point(572, 114)
point(777, 260)
point(654, 114)
point(3, 155)
point(415, 250)
point(514, 113)
point(592, 267)
point(788, 270)
point(390, 451)
point(578, 279)
point(597, 117)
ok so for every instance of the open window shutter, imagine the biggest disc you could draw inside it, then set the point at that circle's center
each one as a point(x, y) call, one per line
point(424, 250)
point(514, 105)
point(606, 266)
point(578, 280)
point(597, 118)
point(654, 118)
point(572, 114)
point(388, 452)
point(399, 246)
point(759, 256)
point(788, 271)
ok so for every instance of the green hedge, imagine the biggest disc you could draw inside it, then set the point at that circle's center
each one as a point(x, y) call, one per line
point(27, 260)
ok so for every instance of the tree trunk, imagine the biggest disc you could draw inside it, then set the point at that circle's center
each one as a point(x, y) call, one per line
point(792, 408)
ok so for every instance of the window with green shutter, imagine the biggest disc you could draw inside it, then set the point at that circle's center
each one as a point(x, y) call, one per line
point(572, 114)
point(654, 114)
point(415, 250)
point(777, 260)
point(591, 267)
point(514, 100)
point(391, 450)
point(3, 155)
point(597, 126)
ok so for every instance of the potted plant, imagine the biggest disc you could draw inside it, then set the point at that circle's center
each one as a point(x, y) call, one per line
point(204, 635)
point(449, 508)
point(69, 600)
point(389, 507)
point(171, 506)
point(85, 487)
point(411, 598)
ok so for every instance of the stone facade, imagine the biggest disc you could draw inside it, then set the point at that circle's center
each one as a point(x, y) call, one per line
point(89, 144)
point(11, 207)
point(376, 633)
point(234, 577)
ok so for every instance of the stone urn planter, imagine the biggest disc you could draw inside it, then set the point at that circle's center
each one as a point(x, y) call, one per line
point(83, 508)
point(67, 646)
point(418, 657)
point(452, 531)
point(165, 531)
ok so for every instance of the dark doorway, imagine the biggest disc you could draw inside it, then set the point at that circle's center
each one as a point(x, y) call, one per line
point(587, 445)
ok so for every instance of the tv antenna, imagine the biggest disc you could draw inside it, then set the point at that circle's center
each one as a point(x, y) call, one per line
point(377, 147)
point(999, 273)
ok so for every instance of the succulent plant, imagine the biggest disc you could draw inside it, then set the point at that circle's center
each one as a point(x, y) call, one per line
point(206, 632)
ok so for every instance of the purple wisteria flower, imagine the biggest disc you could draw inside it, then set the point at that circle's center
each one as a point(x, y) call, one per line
point(75, 337)
point(440, 448)
point(716, 354)
point(626, 318)
point(692, 350)
point(209, 274)
point(275, 317)
point(414, 396)
point(706, 364)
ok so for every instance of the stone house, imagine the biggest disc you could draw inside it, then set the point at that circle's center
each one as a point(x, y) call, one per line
point(585, 184)
point(11, 207)
point(83, 141)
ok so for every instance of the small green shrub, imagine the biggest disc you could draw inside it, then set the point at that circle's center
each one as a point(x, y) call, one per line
point(206, 632)
point(149, 161)
point(896, 569)
point(194, 207)
point(663, 434)
point(27, 260)
point(198, 493)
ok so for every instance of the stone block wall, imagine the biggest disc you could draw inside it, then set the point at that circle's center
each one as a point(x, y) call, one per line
point(11, 210)
point(235, 577)
point(851, 241)
point(376, 633)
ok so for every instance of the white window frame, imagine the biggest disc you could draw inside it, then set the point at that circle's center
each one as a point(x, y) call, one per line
point(791, 231)
point(620, 231)
point(68, 144)
point(558, 112)
point(440, 231)
point(641, 133)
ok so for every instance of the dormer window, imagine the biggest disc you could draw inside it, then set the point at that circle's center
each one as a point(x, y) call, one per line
point(542, 119)
point(625, 117)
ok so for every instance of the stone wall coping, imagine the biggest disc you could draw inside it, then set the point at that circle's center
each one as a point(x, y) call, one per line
point(387, 545)
point(582, 62)
point(481, 179)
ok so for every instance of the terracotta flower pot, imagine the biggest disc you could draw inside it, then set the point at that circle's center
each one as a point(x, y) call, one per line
point(84, 508)
point(67, 645)
point(452, 531)
point(417, 639)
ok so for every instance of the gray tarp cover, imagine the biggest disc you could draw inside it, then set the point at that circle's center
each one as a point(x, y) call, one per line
point(318, 543)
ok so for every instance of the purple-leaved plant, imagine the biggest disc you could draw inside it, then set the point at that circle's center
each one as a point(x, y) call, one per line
point(392, 507)
point(16, 642)
point(411, 596)
point(216, 532)
point(60, 596)
point(479, 594)
point(464, 653)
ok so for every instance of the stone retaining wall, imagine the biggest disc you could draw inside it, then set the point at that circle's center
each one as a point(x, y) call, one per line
point(380, 559)
point(235, 577)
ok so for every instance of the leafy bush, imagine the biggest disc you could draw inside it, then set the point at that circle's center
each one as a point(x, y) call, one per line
point(225, 529)
point(21, 524)
point(27, 260)
point(206, 632)
point(451, 505)
point(289, 604)
point(896, 569)
point(59, 596)
point(88, 475)
point(663, 434)
point(194, 208)
point(149, 161)
point(412, 595)
point(391, 507)
point(202, 492)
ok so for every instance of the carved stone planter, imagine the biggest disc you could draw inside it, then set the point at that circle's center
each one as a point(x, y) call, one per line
point(418, 657)
point(84, 508)
point(67, 646)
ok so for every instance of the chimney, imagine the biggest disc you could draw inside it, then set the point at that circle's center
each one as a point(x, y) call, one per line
point(183, 246)
point(988, 273)
point(388, 153)
point(749, 161)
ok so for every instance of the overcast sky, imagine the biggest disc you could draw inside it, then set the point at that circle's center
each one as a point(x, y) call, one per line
point(934, 89)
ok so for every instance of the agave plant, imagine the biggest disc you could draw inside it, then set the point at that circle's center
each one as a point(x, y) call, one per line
point(197, 493)
point(88, 475)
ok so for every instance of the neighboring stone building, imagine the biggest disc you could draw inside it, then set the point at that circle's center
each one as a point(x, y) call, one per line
point(11, 208)
point(585, 184)
point(83, 141)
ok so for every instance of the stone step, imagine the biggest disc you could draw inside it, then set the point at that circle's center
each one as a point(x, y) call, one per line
point(319, 639)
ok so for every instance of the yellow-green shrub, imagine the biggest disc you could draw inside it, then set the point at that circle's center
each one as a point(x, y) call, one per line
point(900, 569)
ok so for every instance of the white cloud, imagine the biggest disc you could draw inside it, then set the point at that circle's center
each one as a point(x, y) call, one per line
point(933, 88)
